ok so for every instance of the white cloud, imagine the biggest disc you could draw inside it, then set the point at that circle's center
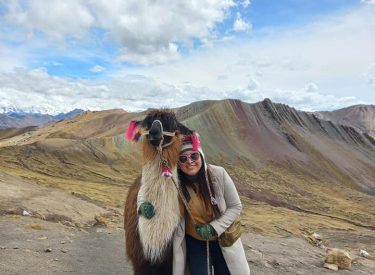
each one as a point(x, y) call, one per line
point(245, 3)
point(37, 91)
point(148, 31)
point(253, 84)
point(54, 18)
point(334, 53)
point(97, 69)
point(10, 58)
point(321, 66)
point(240, 24)
point(57, 64)
point(310, 98)
point(370, 74)
point(149, 54)
point(371, 2)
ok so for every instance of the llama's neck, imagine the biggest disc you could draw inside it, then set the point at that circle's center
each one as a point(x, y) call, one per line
point(156, 233)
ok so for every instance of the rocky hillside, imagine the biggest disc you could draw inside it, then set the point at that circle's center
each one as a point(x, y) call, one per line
point(361, 117)
point(293, 169)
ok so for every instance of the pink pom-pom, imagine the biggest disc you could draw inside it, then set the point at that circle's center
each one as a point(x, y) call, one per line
point(166, 172)
point(195, 141)
point(130, 132)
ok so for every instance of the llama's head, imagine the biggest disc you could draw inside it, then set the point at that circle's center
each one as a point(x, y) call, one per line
point(162, 134)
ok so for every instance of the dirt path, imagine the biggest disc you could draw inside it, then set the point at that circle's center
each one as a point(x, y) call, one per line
point(97, 250)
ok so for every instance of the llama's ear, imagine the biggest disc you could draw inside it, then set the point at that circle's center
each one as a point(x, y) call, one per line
point(183, 129)
point(133, 133)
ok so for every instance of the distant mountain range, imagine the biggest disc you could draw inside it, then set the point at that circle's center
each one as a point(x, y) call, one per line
point(292, 168)
point(361, 117)
point(19, 119)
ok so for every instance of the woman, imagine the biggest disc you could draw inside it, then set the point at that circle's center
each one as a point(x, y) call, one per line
point(214, 204)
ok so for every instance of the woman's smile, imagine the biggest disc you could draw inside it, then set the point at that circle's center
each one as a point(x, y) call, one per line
point(189, 163)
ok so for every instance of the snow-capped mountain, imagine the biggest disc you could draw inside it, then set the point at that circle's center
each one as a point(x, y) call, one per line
point(11, 117)
point(11, 108)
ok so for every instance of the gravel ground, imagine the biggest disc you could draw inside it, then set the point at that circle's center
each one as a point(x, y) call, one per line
point(33, 246)
point(58, 249)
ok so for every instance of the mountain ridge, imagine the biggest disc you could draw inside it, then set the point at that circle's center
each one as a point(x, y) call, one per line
point(277, 156)
point(360, 117)
point(20, 119)
point(11, 117)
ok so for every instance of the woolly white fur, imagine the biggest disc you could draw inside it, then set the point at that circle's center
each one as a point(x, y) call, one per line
point(156, 233)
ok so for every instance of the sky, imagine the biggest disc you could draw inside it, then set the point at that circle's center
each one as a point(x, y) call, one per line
point(59, 55)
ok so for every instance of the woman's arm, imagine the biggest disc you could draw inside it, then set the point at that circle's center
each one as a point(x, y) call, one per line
point(233, 205)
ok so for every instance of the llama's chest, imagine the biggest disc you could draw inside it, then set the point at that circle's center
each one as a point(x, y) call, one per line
point(156, 233)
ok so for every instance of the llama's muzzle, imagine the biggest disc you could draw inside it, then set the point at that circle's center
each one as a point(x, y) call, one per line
point(155, 134)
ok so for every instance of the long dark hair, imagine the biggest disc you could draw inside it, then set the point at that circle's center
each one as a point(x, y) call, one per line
point(201, 179)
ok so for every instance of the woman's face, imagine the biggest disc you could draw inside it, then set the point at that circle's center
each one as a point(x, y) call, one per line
point(190, 162)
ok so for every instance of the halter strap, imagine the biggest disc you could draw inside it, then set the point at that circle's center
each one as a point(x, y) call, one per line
point(163, 133)
point(170, 134)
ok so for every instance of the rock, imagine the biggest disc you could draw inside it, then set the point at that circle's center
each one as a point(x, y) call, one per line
point(317, 236)
point(316, 240)
point(275, 263)
point(48, 250)
point(68, 223)
point(266, 264)
point(322, 246)
point(25, 213)
point(100, 220)
point(2, 247)
point(63, 242)
point(339, 257)
point(364, 253)
point(64, 250)
point(331, 266)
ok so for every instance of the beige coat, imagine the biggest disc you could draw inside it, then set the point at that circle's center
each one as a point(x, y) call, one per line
point(230, 205)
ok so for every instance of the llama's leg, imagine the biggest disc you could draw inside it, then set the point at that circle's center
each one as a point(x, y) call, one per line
point(166, 267)
point(146, 269)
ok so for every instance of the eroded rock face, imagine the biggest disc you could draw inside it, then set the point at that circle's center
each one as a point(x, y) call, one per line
point(361, 117)
point(338, 257)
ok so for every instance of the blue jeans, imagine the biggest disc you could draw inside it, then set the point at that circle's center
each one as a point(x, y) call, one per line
point(197, 257)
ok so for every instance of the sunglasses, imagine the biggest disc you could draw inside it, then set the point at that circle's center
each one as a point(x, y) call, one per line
point(193, 156)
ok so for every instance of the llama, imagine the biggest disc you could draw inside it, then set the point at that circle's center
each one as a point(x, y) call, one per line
point(149, 241)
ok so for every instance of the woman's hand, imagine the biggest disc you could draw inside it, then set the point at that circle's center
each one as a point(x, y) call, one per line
point(206, 231)
point(146, 210)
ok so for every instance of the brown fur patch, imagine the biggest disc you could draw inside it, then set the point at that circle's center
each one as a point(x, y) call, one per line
point(132, 240)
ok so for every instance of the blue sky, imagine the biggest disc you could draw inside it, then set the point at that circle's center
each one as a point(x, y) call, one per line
point(61, 55)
